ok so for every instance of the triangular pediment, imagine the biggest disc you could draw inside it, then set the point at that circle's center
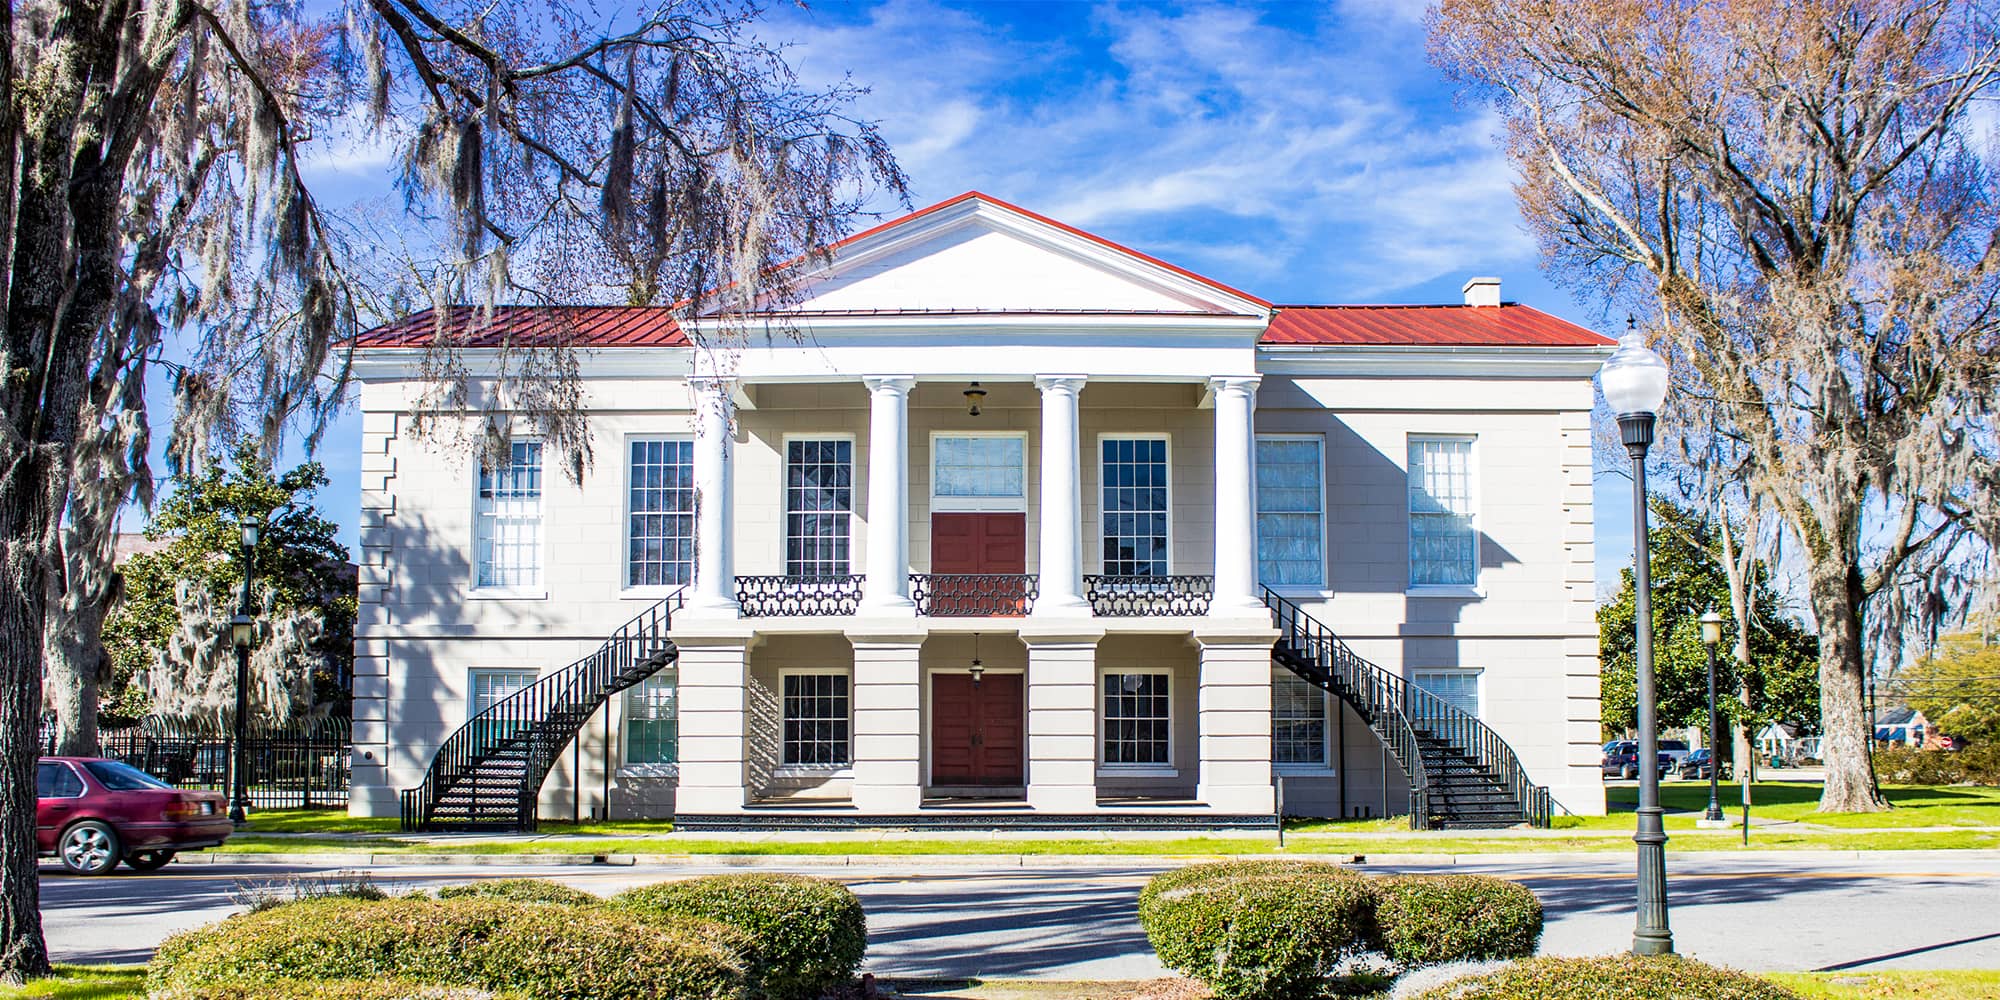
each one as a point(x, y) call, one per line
point(975, 254)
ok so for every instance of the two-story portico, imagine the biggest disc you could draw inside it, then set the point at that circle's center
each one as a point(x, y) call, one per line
point(993, 521)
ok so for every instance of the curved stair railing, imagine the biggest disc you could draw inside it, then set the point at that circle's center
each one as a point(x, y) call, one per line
point(1460, 772)
point(489, 773)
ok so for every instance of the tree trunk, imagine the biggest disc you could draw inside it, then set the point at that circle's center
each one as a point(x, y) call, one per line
point(1845, 727)
point(74, 659)
point(26, 513)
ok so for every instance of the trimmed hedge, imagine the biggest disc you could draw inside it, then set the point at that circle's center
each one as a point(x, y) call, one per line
point(1259, 930)
point(541, 952)
point(1624, 977)
point(1432, 919)
point(521, 890)
point(343, 989)
point(1901, 765)
point(809, 933)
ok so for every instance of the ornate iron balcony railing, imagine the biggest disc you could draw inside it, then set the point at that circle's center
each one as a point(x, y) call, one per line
point(1148, 596)
point(798, 596)
point(974, 595)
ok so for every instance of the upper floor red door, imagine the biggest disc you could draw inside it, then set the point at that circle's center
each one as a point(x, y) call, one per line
point(986, 545)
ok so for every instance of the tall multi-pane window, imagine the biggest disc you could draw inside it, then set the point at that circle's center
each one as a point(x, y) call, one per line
point(816, 719)
point(1444, 549)
point(1290, 497)
point(652, 720)
point(1457, 688)
point(659, 540)
point(508, 533)
point(1135, 506)
point(1138, 721)
point(819, 503)
point(1298, 720)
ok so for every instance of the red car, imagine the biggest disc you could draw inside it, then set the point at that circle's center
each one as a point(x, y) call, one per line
point(92, 813)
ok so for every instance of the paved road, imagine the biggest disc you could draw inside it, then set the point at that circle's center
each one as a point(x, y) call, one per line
point(1067, 921)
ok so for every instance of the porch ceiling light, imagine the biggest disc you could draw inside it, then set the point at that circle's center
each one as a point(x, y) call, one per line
point(974, 396)
point(978, 669)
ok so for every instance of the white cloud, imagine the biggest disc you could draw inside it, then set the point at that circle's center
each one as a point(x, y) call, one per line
point(1317, 160)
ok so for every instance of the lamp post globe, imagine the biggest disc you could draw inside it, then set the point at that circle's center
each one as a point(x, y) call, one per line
point(1634, 381)
point(1711, 637)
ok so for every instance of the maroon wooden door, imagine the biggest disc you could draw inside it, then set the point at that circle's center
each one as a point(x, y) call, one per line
point(976, 730)
point(979, 545)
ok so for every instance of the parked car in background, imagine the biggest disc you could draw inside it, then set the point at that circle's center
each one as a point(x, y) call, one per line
point(1698, 763)
point(1621, 758)
point(92, 813)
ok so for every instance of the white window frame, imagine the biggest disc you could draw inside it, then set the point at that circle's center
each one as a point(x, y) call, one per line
point(857, 489)
point(627, 588)
point(1328, 706)
point(788, 770)
point(647, 769)
point(1474, 589)
point(1098, 456)
point(472, 684)
point(976, 505)
point(1318, 588)
point(1127, 769)
point(535, 591)
point(1478, 685)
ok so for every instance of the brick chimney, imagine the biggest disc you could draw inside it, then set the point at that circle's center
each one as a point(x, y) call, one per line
point(1482, 291)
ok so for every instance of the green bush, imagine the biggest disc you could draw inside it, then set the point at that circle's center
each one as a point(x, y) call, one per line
point(1623, 978)
point(520, 890)
point(1431, 919)
point(341, 989)
point(540, 952)
point(809, 933)
point(1259, 930)
point(1901, 765)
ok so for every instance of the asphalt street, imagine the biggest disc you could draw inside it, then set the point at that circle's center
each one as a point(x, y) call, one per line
point(1064, 920)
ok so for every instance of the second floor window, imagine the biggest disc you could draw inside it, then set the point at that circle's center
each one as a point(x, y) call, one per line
point(1135, 506)
point(1444, 547)
point(508, 529)
point(660, 533)
point(819, 503)
point(1289, 527)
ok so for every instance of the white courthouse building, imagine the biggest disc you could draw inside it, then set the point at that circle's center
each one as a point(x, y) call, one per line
point(997, 524)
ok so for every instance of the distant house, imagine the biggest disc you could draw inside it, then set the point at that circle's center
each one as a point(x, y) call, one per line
point(1786, 742)
point(1902, 725)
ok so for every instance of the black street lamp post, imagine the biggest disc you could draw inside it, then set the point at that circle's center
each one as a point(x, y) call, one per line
point(1711, 637)
point(243, 630)
point(1634, 380)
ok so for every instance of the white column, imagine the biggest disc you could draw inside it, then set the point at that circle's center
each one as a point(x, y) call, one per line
point(1235, 496)
point(1062, 722)
point(714, 593)
point(887, 590)
point(1061, 568)
point(1235, 720)
point(713, 724)
point(888, 725)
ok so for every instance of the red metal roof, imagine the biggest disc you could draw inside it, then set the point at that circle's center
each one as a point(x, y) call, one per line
point(581, 326)
point(1508, 325)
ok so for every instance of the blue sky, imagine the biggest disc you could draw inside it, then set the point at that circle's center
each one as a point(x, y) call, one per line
point(1302, 152)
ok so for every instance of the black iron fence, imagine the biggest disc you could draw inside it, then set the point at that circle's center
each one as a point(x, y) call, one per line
point(974, 595)
point(302, 764)
point(798, 596)
point(1148, 596)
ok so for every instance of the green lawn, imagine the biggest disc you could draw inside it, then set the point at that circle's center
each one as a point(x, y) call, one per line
point(1916, 805)
point(84, 982)
point(1972, 984)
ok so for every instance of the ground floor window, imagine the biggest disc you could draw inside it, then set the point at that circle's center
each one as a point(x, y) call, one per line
point(1457, 688)
point(1138, 720)
point(491, 687)
point(652, 720)
point(1298, 720)
point(816, 719)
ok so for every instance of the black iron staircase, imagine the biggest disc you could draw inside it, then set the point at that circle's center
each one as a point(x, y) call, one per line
point(1461, 774)
point(488, 775)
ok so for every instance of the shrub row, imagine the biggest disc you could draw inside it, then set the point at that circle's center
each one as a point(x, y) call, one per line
point(809, 933)
point(1624, 977)
point(762, 937)
point(1267, 930)
point(580, 952)
point(1978, 765)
